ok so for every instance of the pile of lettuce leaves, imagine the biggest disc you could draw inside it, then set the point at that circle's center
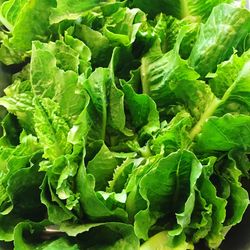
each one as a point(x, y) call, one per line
point(125, 124)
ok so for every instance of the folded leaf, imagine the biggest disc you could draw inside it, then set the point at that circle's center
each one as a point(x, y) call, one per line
point(52, 77)
point(180, 8)
point(123, 25)
point(16, 16)
point(224, 29)
point(176, 175)
point(71, 9)
point(51, 128)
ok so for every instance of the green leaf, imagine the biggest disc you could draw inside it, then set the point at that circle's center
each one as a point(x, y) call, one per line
point(121, 176)
point(99, 44)
point(57, 212)
point(11, 131)
point(71, 9)
point(116, 109)
point(173, 174)
point(61, 243)
point(51, 128)
point(180, 8)
point(18, 99)
point(166, 242)
point(224, 133)
point(237, 204)
point(115, 235)
point(23, 189)
point(241, 160)
point(167, 77)
point(121, 125)
point(237, 197)
point(102, 167)
point(222, 32)
point(5, 78)
point(83, 52)
point(201, 220)
point(216, 234)
point(97, 86)
point(34, 232)
point(234, 94)
point(17, 15)
point(220, 81)
point(143, 111)
point(89, 199)
point(173, 136)
point(83, 126)
point(167, 29)
point(14, 160)
point(21, 106)
point(52, 77)
point(235, 91)
point(61, 177)
point(123, 25)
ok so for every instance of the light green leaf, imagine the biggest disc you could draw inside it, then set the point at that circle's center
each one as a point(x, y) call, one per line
point(220, 81)
point(102, 167)
point(222, 32)
point(173, 174)
point(21, 106)
point(97, 86)
point(121, 176)
point(57, 212)
point(163, 240)
point(180, 8)
point(167, 77)
point(173, 136)
point(61, 176)
point(52, 77)
point(99, 45)
point(89, 199)
point(224, 133)
point(123, 25)
point(17, 15)
point(209, 193)
point(71, 9)
point(51, 128)
point(83, 52)
point(143, 111)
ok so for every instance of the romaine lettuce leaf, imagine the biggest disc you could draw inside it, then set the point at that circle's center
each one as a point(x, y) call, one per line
point(180, 8)
point(125, 124)
point(16, 16)
point(222, 32)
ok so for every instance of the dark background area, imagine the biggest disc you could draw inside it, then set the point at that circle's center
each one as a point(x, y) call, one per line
point(238, 238)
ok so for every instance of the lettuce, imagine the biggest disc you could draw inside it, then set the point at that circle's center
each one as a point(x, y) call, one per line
point(125, 124)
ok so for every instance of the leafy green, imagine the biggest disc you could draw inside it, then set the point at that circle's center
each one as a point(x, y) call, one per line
point(222, 32)
point(225, 138)
point(175, 173)
point(115, 235)
point(122, 26)
point(71, 9)
point(16, 16)
point(180, 8)
point(124, 124)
